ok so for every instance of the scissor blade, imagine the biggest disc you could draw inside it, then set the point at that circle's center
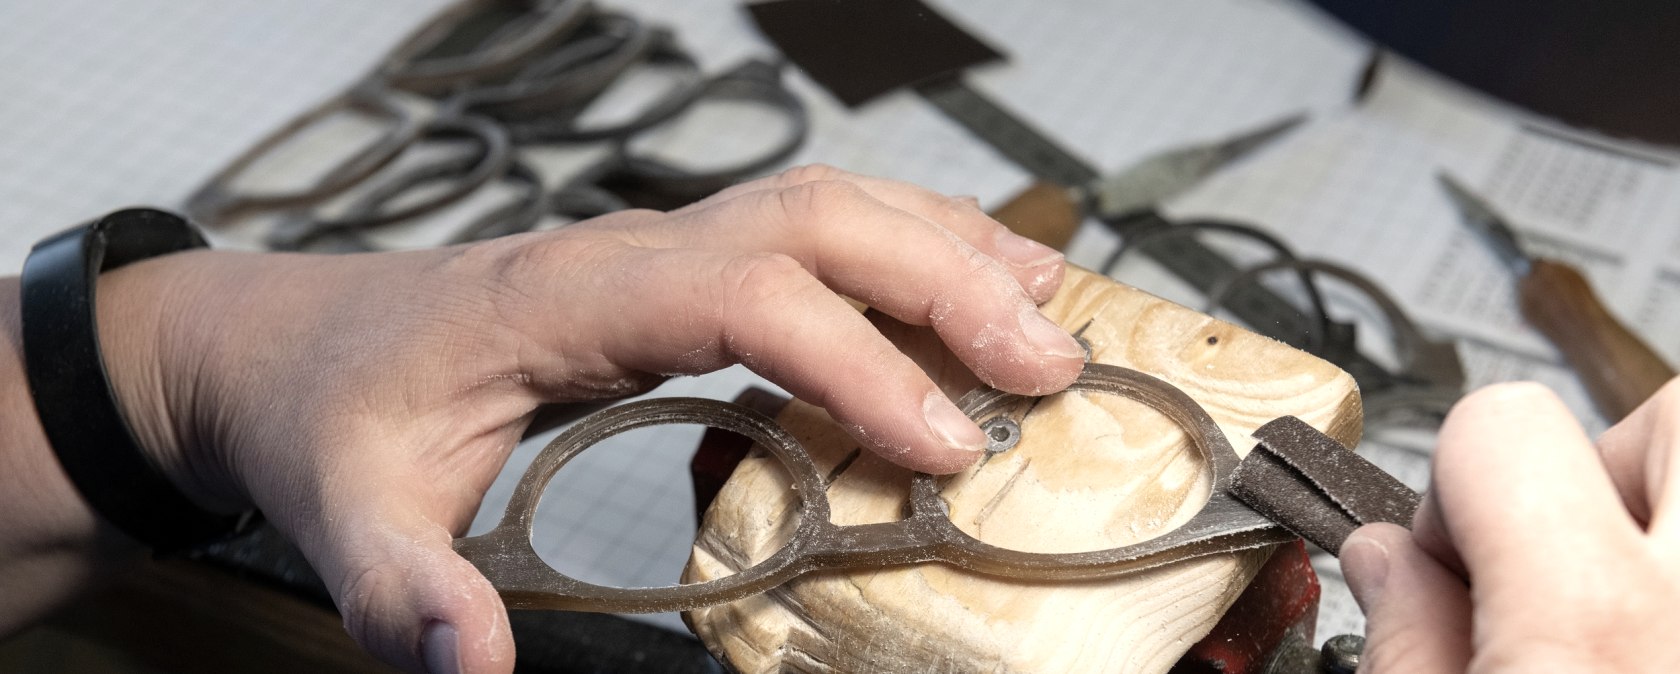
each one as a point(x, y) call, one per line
point(1488, 223)
point(1168, 174)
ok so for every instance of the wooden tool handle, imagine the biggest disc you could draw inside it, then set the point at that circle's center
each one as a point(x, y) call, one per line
point(1044, 212)
point(1619, 369)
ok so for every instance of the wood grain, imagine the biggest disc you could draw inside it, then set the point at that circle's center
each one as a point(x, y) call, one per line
point(1620, 370)
point(1044, 212)
point(1091, 472)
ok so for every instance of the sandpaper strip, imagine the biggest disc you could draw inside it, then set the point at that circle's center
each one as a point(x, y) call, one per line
point(1315, 487)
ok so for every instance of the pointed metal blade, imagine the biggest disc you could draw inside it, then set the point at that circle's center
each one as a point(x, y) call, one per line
point(1488, 223)
point(1166, 175)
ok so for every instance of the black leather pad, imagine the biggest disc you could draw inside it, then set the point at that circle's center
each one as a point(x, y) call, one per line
point(861, 49)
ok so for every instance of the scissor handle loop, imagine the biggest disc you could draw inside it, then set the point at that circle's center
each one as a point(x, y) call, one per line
point(220, 199)
point(417, 65)
point(1321, 336)
point(490, 159)
point(1434, 361)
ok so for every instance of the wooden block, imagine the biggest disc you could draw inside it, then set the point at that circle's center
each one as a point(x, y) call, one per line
point(1091, 472)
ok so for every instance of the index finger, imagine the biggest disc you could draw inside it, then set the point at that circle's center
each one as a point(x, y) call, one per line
point(1035, 266)
point(1523, 495)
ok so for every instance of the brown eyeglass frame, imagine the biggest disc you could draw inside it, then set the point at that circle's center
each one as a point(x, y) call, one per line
point(506, 557)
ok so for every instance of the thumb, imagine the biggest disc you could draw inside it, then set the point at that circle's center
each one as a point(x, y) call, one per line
point(1417, 613)
point(407, 597)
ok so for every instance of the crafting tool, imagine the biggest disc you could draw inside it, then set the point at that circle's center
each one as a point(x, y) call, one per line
point(1428, 380)
point(1125, 201)
point(1619, 369)
point(1429, 374)
point(1297, 476)
point(1160, 177)
point(503, 76)
point(624, 178)
point(1429, 377)
point(860, 50)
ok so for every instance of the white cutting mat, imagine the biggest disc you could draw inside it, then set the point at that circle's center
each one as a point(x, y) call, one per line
point(116, 103)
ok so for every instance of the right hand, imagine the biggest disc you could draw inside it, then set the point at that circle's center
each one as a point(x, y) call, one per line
point(1535, 550)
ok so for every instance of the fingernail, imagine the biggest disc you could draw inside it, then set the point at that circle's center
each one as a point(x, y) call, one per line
point(968, 199)
point(1365, 564)
point(440, 648)
point(1047, 338)
point(953, 427)
point(1023, 251)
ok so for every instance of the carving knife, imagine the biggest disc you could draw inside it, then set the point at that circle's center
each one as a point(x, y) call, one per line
point(1619, 369)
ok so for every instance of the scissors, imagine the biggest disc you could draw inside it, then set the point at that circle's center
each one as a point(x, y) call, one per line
point(1429, 377)
point(625, 178)
point(500, 76)
point(446, 54)
point(1296, 476)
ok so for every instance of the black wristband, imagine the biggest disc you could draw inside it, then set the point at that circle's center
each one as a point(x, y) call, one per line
point(73, 394)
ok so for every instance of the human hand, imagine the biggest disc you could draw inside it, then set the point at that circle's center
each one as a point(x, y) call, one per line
point(1571, 551)
point(366, 402)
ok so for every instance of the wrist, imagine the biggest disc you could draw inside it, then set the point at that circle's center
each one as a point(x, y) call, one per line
point(147, 314)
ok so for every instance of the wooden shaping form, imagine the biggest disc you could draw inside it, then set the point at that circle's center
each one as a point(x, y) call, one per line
point(1091, 472)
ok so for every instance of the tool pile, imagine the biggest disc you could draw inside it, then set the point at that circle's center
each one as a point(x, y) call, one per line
point(489, 92)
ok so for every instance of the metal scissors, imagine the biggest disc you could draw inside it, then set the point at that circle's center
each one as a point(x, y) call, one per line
point(1349, 492)
point(499, 75)
point(446, 54)
point(1429, 376)
point(472, 40)
point(625, 178)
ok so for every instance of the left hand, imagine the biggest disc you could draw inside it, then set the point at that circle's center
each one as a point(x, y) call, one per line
point(366, 402)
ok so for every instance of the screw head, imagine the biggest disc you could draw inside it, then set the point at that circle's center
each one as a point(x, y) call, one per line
point(1341, 653)
point(1002, 434)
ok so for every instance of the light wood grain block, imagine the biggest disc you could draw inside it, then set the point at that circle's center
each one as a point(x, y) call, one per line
point(1091, 472)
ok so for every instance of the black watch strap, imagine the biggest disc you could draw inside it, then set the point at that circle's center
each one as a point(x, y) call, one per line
point(73, 394)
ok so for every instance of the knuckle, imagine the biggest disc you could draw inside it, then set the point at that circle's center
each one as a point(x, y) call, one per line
point(622, 222)
point(499, 262)
point(514, 275)
point(957, 208)
point(978, 269)
point(498, 291)
point(808, 173)
point(814, 202)
point(356, 598)
point(760, 280)
point(758, 291)
point(517, 266)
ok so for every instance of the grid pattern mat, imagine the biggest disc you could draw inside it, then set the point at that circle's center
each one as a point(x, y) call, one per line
point(119, 102)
